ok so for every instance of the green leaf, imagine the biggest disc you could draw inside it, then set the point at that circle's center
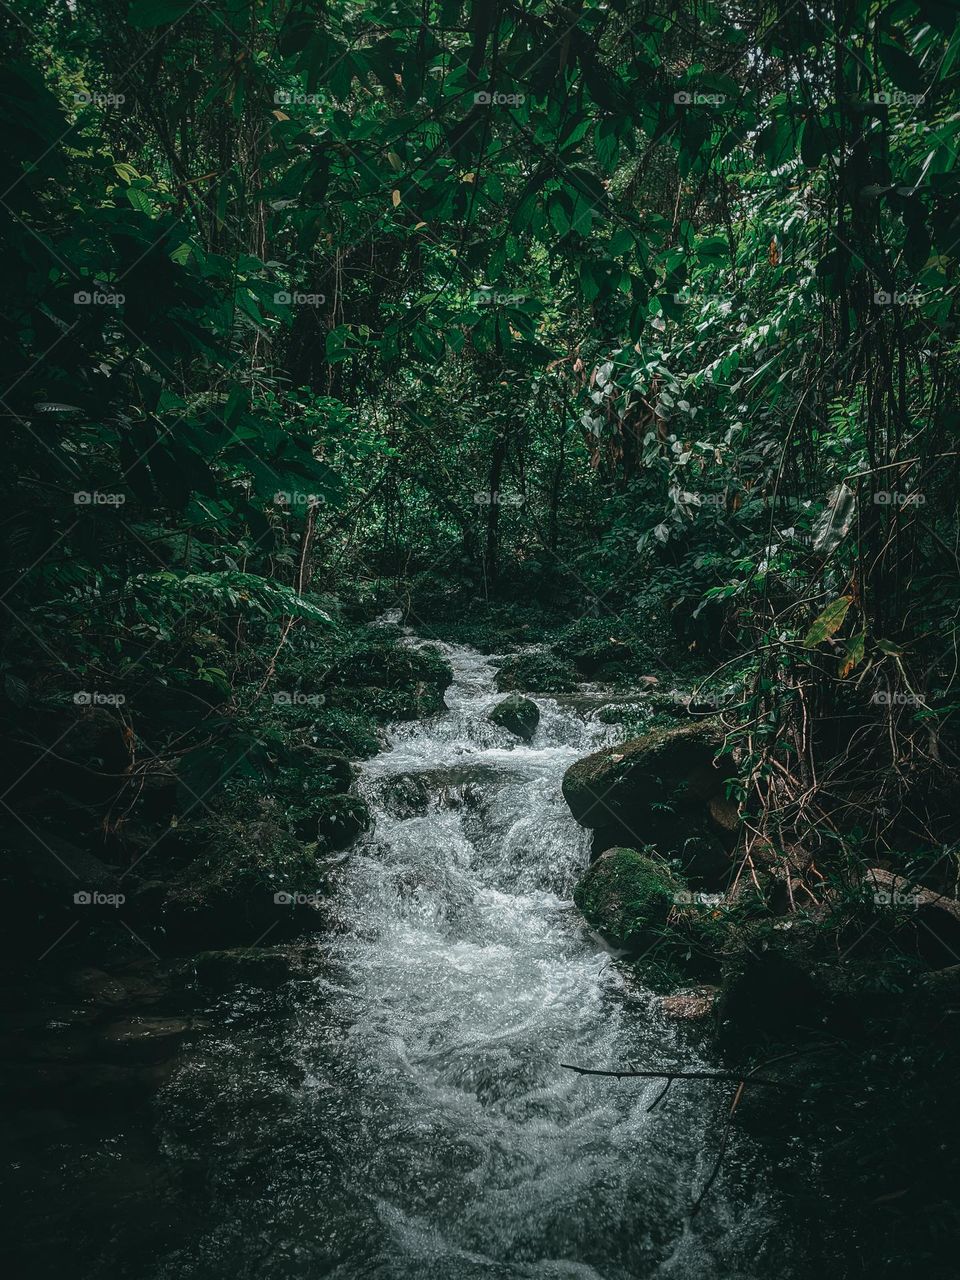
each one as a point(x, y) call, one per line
point(901, 68)
point(828, 622)
point(854, 653)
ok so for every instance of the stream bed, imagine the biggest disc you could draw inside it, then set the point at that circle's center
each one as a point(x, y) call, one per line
point(398, 1110)
point(410, 1117)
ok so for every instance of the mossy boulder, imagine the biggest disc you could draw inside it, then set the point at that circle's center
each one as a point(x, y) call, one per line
point(627, 897)
point(389, 679)
point(517, 714)
point(340, 819)
point(226, 896)
point(594, 647)
point(536, 673)
point(660, 789)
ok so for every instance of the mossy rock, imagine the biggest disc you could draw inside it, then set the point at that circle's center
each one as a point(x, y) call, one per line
point(656, 789)
point(536, 673)
point(331, 765)
point(627, 896)
point(593, 646)
point(226, 895)
point(382, 664)
point(516, 714)
point(339, 820)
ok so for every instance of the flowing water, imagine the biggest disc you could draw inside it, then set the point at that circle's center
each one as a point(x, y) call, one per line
point(399, 1110)
point(402, 1112)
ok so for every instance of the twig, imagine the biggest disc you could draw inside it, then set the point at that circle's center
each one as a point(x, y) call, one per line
point(623, 1073)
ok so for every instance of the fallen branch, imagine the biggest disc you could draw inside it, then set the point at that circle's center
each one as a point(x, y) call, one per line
point(740, 1078)
point(737, 1076)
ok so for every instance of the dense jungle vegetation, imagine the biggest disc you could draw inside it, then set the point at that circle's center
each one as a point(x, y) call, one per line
point(623, 329)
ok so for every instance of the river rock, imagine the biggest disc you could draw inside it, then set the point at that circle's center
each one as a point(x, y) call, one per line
point(519, 715)
point(661, 789)
point(236, 966)
point(405, 796)
point(333, 764)
point(144, 1039)
point(690, 1005)
point(248, 879)
point(771, 986)
point(341, 819)
point(627, 896)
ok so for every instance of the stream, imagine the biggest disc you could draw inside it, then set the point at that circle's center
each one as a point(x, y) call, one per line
point(396, 1107)
point(404, 1113)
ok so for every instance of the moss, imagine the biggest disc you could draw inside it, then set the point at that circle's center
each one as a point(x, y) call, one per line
point(375, 659)
point(654, 789)
point(596, 645)
point(225, 895)
point(627, 897)
point(537, 673)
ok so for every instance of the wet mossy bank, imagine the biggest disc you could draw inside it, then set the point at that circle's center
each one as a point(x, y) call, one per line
point(834, 980)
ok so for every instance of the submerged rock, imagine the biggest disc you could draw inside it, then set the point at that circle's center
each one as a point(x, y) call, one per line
point(697, 1002)
point(145, 1039)
point(627, 896)
point(662, 789)
point(405, 796)
point(518, 715)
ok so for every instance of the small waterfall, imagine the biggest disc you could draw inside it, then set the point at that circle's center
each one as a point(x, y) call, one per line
point(402, 1113)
